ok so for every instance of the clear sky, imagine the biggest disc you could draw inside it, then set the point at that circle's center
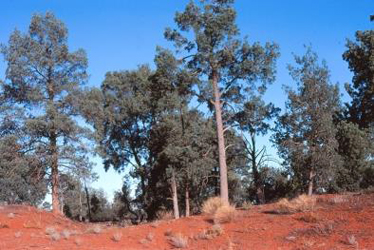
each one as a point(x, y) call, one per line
point(122, 34)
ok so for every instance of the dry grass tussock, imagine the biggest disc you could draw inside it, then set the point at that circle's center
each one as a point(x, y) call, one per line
point(164, 215)
point(218, 211)
point(300, 204)
point(178, 240)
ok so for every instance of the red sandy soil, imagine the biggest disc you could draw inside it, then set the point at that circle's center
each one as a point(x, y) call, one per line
point(337, 222)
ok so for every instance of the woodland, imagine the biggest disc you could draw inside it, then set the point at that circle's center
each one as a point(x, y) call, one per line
point(186, 129)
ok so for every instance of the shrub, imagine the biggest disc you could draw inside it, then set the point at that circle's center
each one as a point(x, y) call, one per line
point(117, 236)
point(55, 236)
point(224, 214)
point(96, 229)
point(165, 215)
point(247, 205)
point(178, 241)
point(213, 232)
point(65, 234)
point(211, 205)
point(299, 204)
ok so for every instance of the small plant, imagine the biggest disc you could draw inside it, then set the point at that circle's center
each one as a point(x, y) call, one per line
point(50, 230)
point(351, 240)
point(3, 225)
point(96, 229)
point(213, 232)
point(300, 204)
point(165, 215)
point(150, 236)
point(117, 236)
point(17, 234)
point(155, 223)
point(247, 205)
point(309, 218)
point(224, 214)
point(55, 236)
point(211, 205)
point(65, 234)
point(178, 241)
point(11, 215)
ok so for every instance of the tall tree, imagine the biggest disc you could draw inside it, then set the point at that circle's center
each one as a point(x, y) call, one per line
point(360, 58)
point(45, 78)
point(253, 118)
point(224, 63)
point(305, 134)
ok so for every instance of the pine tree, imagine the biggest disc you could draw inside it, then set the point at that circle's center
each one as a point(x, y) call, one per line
point(45, 78)
point(224, 64)
point(305, 134)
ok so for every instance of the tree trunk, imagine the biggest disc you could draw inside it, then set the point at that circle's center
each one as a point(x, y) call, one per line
point(187, 200)
point(310, 185)
point(54, 170)
point(88, 202)
point(221, 140)
point(256, 175)
point(174, 195)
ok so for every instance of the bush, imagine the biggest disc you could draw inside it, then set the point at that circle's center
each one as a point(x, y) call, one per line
point(178, 241)
point(211, 205)
point(218, 211)
point(224, 214)
point(300, 204)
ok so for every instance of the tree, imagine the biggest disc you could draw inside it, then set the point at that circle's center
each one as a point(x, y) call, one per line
point(22, 176)
point(355, 149)
point(360, 58)
point(305, 134)
point(253, 118)
point(45, 78)
point(224, 64)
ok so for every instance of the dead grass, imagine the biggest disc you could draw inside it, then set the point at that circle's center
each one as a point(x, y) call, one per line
point(218, 211)
point(55, 236)
point(224, 214)
point(17, 234)
point(178, 240)
point(211, 205)
point(309, 218)
point(165, 215)
point(211, 233)
point(50, 230)
point(247, 205)
point(96, 229)
point(300, 204)
point(117, 236)
point(65, 234)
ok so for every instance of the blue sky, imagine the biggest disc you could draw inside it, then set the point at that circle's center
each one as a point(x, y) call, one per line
point(122, 34)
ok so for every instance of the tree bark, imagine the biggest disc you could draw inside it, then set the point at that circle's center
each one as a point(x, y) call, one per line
point(174, 195)
point(256, 175)
point(187, 201)
point(310, 185)
point(88, 202)
point(55, 179)
point(221, 140)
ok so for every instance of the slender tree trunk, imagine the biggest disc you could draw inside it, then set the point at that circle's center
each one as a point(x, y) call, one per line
point(221, 140)
point(310, 185)
point(88, 202)
point(256, 175)
point(187, 201)
point(54, 170)
point(174, 195)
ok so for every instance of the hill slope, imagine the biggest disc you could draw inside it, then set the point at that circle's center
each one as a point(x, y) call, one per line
point(336, 222)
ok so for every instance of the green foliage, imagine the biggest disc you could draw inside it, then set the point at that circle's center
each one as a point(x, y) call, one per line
point(360, 58)
point(355, 149)
point(45, 79)
point(305, 134)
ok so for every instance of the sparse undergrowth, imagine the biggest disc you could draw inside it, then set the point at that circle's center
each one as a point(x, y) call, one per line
point(218, 211)
point(300, 204)
point(178, 240)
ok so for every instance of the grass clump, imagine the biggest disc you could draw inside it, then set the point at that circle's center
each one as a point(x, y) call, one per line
point(96, 229)
point(218, 211)
point(300, 204)
point(65, 234)
point(117, 236)
point(178, 240)
point(211, 205)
